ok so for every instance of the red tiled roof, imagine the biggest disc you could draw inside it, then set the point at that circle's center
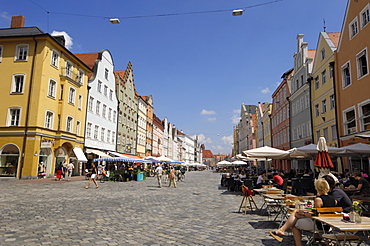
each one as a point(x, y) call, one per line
point(311, 53)
point(207, 153)
point(334, 37)
point(88, 58)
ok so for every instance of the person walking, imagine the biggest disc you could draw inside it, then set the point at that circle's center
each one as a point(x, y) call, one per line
point(172, 177)
point(159, 171)
point(59, 172)
point(64, 168)
point(94, 172)
point(70, 168)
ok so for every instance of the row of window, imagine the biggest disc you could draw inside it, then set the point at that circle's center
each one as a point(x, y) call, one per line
point(301, 131)
point(353, 118)
point(110, 114)
point(280, 116)
point(362, 68)
point(281, 137)
point(325, 133)
point(100, 133)
point(324, 106)
point(301, 104)
point(364, 20)
point(123, 140)
point(105, 90)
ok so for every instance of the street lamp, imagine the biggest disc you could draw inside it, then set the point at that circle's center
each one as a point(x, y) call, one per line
point(114, 21)
point(237, 12)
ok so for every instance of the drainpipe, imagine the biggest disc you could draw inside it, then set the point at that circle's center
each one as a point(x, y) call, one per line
point(24, 144)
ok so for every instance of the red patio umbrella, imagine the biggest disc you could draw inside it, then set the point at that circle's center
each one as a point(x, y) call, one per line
point(323, 159)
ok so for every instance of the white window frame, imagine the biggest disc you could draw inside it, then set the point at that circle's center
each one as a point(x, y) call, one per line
point(111, 94)
point(317, 82)
point(69, 69)
point(80, 76)
point(96, 132)
point(323, 54)
point(55, 58)
point(366, 20)
point(353, 28)
point(333, 129)
point(102, 134)
point(97, 108)
point(14, 83)
point(345, 122)
point(110, 114)
point(72, 95)
point(108, 136)
point(106, 73)
point(78, 127)
point(52, 88)
point(104, 111)
point(362, 116)
point(323, 76)
point(360, 72)
point(99, 86)
point(324, 108)
point(114, 116)
point(21, 57)
point(91, 104)
point(49, 119)
point(88, 130)
point(80, 102)
point(344, 68)
point(69, 123)
point(10, 116)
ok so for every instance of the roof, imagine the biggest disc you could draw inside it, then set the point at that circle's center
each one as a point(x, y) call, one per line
point(19, 32)
point(88, 58)
point(207, 154)
point(334, 37)
point(311, 53)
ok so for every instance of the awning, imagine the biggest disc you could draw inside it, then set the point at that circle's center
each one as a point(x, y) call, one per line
point(80, 154)
point(97, 152)
point(125, 155)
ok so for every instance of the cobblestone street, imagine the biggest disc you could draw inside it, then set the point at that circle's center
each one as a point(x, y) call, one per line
point(197, 212)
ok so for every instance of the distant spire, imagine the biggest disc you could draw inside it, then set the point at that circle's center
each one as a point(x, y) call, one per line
point(324, 26)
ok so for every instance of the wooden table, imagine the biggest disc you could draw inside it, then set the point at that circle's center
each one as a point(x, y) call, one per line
point(346, 227)
point(263, 191)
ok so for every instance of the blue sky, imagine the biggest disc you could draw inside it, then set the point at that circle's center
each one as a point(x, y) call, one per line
point(199, 68)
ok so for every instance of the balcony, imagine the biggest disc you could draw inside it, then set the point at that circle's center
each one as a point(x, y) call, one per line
point(71, 76)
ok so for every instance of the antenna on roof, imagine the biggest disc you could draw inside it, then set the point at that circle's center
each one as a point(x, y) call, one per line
point(324, 25)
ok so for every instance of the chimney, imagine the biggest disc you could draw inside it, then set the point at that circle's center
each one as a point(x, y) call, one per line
point(17, 21)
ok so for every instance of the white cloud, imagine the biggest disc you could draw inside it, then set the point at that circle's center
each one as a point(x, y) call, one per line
point(67, 38)
point(235, 119)
point(236, 111)
point(228, 140)
point(212, 119)
point(206, 112)
point(265, 91)
point(202, 139)
point(5, 15)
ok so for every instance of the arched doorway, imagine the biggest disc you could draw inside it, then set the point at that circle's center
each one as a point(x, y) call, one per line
point(60, 156)
point(9, 161)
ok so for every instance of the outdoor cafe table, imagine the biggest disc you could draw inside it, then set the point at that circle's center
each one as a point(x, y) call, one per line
point(346, 227)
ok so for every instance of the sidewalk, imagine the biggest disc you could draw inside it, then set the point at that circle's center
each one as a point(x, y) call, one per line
point(42, 180)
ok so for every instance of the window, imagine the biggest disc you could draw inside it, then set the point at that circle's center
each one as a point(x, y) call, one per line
point(99, 86)
point(325, 133)
point(106, 73)
point(108, 136)
point(323, 55)
point(111, 94)
point(365, 116)
point(119, 139)
point(88, 130)
point(114, 116)
point(353, 28)
point(52, 88)
point(69, 69)
point(96, 132)
point(80, 77)
point(1, 52)
point(102, 134)
point(331, 71)
point(323, 104)
point(104, 110)
point(113, 137)
point(18, 83)
point(332, 101)
point(72, 95)
point(61, 92)
point(333, 132)
point(318, 134)
point(79, 102)
point(69, 124)
point(317, 110)
point(78, 127)
point(97, 109)
point(14, 116)
point(91, 103)
point(21, 52)
point(323, 76)
point(350, 122)
point(365, 16)
point(317, 82)
point(346, 75)
point(109, 114)
point(49, 119)
point(54, 59)
point(105, 90)
point(362, 69)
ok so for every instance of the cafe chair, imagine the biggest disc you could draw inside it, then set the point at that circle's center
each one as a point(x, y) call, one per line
point(330, 235)
point(248, 201)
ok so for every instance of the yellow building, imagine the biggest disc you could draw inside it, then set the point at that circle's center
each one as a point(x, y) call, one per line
point(44, 92)
point(322, 89)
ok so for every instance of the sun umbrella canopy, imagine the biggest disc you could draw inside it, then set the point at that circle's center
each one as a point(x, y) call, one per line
point(266, 152)
point(360, 149)
point(151, 159)
point(239, 163)
point(323, 158)
point(164, 159)
point(224, 163)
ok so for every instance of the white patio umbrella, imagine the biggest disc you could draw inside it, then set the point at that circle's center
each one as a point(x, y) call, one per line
point(151, 159)
point(164, 159)
point(361, 150)
point(223, 163)
point(239, 163)
point(267, 153)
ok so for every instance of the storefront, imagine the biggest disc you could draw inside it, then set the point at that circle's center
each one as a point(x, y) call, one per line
point(9, 159)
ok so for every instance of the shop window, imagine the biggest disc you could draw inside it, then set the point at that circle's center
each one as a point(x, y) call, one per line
point(9, 161)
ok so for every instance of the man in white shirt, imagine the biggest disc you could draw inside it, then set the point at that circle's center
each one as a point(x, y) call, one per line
point(158, 171)
point(70, 168)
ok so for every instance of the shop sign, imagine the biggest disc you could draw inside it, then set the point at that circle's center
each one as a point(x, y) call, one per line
point(45, 145)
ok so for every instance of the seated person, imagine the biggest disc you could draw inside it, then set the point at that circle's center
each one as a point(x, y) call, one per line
point(279, 181)
point(363, 185)
point(242, 175)
point(339, 195)
point(261, 180)
point(300, 220)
